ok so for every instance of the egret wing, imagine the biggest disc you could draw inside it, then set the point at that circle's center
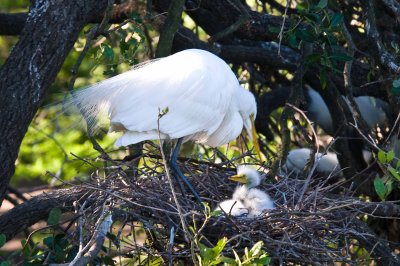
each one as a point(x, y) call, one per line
point(195, 86)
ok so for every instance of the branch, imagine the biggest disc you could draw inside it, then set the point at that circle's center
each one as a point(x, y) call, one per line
point(169, 28)
point(386, 58)
point(12, 24)
point(37, 208)
point(264, 53)
point(50, 32)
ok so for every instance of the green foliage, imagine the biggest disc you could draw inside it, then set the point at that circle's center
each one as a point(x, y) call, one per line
point(213, 255)
point(391, 166)
point(323, 29)
point(54, 216)
point(45, 148)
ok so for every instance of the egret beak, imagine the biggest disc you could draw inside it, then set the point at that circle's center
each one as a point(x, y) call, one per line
point(239, 178)
point(251, 132)
point(255, 140)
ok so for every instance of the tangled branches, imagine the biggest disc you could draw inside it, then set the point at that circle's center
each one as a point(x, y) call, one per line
point(323, 229)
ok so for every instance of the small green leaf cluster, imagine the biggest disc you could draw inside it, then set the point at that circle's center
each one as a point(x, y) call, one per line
point(318, 25)
point(391, 167)
point(129, 38)
point(213, 255)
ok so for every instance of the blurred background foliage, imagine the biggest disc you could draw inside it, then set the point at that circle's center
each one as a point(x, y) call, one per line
point(53, 139)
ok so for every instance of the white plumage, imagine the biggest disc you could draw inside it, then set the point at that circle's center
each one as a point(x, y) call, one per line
point(371, 109)
point(204, 100)
point(246, 199)
point(297, 160)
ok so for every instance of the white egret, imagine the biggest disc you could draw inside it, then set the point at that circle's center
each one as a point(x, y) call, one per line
point(371, 109)
point(297, 160)
point(247, 199)
point(200, 94)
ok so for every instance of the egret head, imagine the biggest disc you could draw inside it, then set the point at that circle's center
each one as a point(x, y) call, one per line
point(247, 175)
point(248, 110)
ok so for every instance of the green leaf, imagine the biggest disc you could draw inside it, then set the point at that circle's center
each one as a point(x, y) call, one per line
point(381, 156)
point(293, 41)
point(390, 156)
point(274, 29)
point(54, 216)
point(2, 240)
point(341, 57)
point(337, 19)
point(107, 51)
point(220, 245)
point(380, 188)
point(312, 58)
point(394, 173)
point(306, 35)
point(263, 260)
point(5, 263)
point(256, 249)
point(228, 260)
point(323, 78)
point(322, 4)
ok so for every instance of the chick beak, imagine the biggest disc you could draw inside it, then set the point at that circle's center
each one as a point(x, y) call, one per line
point(238, 178)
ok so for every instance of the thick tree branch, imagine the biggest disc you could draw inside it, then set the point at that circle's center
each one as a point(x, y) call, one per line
point(49, 34)
point(37, 208)
point(12, 24)
point(169, 28)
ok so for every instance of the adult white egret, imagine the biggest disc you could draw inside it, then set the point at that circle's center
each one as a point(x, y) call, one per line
point(371, 109)
point(247, 199)
point(297, 160)
point(198, 91)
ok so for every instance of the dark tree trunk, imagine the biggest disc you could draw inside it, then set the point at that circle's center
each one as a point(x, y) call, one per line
point(49, 34)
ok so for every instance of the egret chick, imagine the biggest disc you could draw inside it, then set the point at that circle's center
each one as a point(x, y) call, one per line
point(297, 160)
point(254, 200)
point(200, 94)
point(233, 207)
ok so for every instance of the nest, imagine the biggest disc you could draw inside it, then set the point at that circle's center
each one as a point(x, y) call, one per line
point(317, 227)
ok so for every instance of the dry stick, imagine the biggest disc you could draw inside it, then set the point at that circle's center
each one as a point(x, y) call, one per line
point(178, 206)
point(314, 166)
point(348, 85)
point(280, 35)
point(89, 186)
point(95, 244)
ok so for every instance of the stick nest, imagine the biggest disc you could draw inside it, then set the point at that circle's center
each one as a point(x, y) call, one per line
point(325, 227)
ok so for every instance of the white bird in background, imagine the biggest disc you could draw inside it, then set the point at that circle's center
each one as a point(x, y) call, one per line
point(297, 160)
point(371, 109)
point(247, 199)
point(201, 95)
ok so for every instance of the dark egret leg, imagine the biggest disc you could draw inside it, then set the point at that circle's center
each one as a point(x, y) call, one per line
point(178, 172)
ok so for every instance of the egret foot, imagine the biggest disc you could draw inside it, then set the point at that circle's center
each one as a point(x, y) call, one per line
point(178, 173)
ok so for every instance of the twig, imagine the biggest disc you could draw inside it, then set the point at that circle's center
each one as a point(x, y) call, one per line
point(244, 16)
point(280, 35)
point(167, 173)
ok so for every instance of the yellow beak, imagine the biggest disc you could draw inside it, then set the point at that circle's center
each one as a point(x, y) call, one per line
point(238, 178)
point(255, 140)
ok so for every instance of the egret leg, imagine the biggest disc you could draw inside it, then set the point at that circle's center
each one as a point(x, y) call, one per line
point(178, 172)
